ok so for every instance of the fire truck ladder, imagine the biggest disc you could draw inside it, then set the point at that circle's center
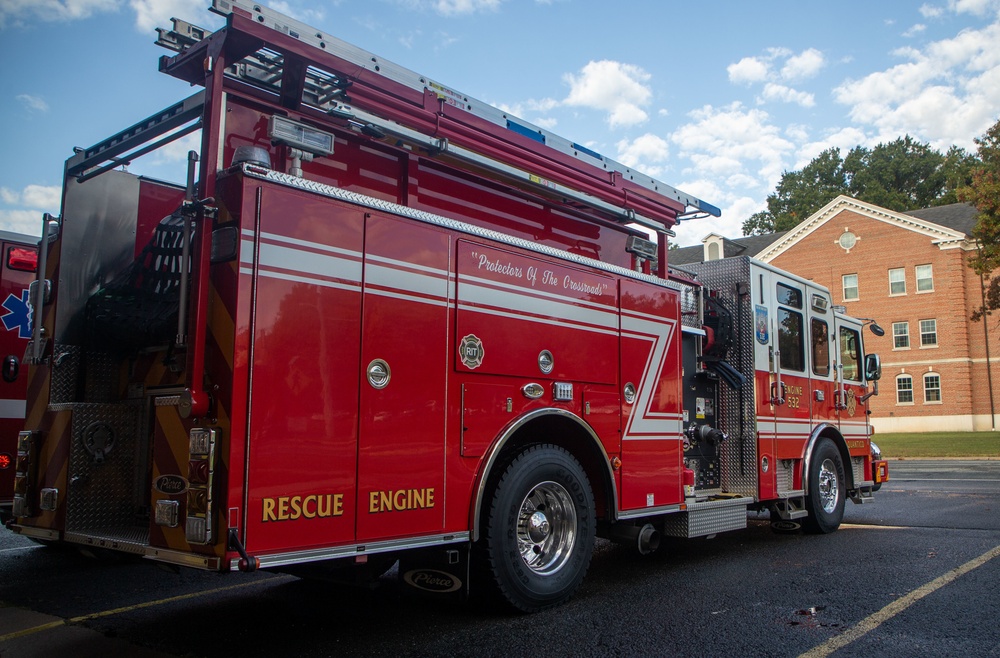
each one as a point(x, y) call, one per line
point(375, 78)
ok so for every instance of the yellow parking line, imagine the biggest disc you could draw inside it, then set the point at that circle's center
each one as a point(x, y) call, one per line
point(873, 621)
point(137, 606)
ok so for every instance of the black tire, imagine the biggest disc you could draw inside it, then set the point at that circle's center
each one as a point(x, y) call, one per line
point(538, 535)
point(827, 488)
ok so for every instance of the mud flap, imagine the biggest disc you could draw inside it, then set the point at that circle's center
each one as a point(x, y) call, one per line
point(438, 573)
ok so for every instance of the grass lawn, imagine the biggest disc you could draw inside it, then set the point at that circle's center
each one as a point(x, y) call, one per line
point(939, 444)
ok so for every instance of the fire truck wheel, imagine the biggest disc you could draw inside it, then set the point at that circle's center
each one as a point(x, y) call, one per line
point(539, 533)
point(825, 501)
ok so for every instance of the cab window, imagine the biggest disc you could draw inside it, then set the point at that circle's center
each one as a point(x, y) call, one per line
point(820, 348)
point(790, 340)
point(850, 353)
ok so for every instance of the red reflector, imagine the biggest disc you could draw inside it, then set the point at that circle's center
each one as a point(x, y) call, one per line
point(23, 260)
point(5, 461)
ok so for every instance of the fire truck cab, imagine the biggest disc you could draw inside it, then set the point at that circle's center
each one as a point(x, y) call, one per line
point(384, 321)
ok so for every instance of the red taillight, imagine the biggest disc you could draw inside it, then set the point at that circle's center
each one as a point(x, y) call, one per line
point(21, 259)
point(5, 461)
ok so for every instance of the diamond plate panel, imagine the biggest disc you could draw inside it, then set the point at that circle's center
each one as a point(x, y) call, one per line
point(105, 496)
point(65, 370)
point(710, 518)
point(727, 277)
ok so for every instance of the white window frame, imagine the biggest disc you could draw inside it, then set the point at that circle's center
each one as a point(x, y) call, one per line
point(904, 334)
point(928, 389)
point(924, 345)
point(845, 287)
point(929, 277)
point(909, 390)
point(902, 272)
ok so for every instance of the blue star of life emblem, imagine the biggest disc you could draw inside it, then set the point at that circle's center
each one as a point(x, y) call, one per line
point(18, 314)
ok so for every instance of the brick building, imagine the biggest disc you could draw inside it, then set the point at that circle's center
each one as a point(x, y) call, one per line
point(909, 272)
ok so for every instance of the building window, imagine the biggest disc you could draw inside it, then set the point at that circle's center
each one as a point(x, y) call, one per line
point(932, 388)
point(900, 335)
point(847, 240)
point(897, 281)
point(928, 333)
point(850, 287)
point(904, 389)
point(713, 251)
point(925, 278)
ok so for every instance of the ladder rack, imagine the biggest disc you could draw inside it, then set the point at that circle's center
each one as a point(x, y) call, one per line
point(380, 99)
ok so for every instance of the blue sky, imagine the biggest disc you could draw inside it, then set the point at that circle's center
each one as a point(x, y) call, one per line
point(716, 98)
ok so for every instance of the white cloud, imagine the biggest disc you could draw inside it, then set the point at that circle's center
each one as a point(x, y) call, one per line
point(776, 92)
point(803, 66)
point(39, 197)
point(305, 15)
point(643, 152)
point(947, 93)
point(748, 70)
point(619, 89)
point(30, 203)
point(452, 7)
point(931, 11)
point(727, 141)
point(33, 103)
point(151, 14)
point(977, 7)
point(21, 221)
point(20, 11)
point(919, 28)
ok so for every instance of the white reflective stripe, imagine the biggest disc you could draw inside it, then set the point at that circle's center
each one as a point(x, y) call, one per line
point(434, 286)
point(659, 333)
point(309, 262)
point(555, 322)
point(12, 408)
point(537, 292)
point(533, 305)
point(326, 283)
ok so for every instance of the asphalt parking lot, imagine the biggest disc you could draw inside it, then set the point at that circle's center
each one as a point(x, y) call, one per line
point(914, 574)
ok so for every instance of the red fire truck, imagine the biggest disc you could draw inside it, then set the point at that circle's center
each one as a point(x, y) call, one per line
point(20, 256)
point(385, 321)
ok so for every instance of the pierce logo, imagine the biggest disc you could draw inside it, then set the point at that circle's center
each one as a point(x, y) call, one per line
point(432, 580)
point(171, 485)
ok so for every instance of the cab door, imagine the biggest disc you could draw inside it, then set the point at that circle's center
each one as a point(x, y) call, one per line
point(851, 411)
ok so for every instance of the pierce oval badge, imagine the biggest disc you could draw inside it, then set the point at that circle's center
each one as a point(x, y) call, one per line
point(532, 391)
point(171, 485)
point(432, 580)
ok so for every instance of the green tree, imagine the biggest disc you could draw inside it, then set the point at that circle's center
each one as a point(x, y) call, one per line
point(904, 174)
point(901, 175)
point(800, 194)
point(984, 194)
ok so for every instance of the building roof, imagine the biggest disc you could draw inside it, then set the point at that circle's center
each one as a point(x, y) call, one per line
point(958, 216)
point(749, 245)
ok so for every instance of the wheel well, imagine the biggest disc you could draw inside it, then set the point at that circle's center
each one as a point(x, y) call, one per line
point(832, 433)
point(557, 428)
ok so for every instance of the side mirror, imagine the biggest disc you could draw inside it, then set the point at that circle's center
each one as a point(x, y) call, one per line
point(873, 367)
point(875, 329)
point(873, 372)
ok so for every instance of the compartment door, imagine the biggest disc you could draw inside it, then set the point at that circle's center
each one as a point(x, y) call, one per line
point(404, 368)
